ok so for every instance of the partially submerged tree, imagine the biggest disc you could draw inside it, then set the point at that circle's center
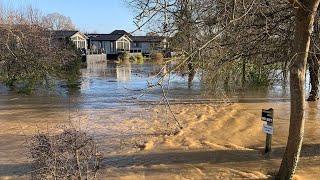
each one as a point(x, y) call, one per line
point(305, 11)
point(260, 31)
point(313, 60)
point(258, 34)
point(29, 55)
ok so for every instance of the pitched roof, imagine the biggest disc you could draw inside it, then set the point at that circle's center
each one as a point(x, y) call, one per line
point(104, 37)
point(120, 32)
point(116, 34)
point(147, 38)
point(63, 34)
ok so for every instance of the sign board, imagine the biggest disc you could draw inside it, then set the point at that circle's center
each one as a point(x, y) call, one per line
point(267, 115)
point(267, 129)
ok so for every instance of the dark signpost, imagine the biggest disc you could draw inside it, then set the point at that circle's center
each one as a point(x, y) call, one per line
point(267, 116)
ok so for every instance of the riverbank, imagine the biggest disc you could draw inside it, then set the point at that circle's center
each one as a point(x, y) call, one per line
point(217, 142)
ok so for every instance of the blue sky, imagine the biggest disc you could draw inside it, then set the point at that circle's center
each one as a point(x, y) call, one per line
point(102, 16)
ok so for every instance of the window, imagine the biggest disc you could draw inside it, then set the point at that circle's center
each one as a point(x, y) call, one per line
point(123, 44)
point(79, 42)
point(136, 44)
point(111, 46)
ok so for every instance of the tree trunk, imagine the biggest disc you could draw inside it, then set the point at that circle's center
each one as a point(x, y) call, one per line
point(314, 77)
point(304, 17)
point(313, 61)
point(285, 74)
point(192, 73)
point(243, 72)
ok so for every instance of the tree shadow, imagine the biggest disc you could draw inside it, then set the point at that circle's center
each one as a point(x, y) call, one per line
point(203, 156)
point(15, 169)
point(177, 157)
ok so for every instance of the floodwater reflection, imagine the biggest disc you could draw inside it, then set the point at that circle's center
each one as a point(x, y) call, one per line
point(105, 84)
point(123, 73)
point(110, 85)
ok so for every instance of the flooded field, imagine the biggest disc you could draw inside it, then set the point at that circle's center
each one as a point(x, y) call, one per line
point(134, 130)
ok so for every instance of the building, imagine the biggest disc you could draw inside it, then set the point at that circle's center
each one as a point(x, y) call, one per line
point(121, 41)
point(79, 39)
point(148, 44)
point(110, 44)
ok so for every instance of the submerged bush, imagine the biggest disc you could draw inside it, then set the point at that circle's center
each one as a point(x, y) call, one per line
point(70, 155)
point(133, 59)
point(124, 58)
point(234, 76)
point(29, 56)
point(140, 59)
point(70, 72)
point(157, 57)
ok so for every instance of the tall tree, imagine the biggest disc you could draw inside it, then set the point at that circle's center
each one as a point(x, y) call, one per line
point(313, 61)
point(56, 21)
point(262, 32)
point(305, 11)
point(185, 23)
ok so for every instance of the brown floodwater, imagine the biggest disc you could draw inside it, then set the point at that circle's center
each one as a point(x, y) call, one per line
point(114, 104)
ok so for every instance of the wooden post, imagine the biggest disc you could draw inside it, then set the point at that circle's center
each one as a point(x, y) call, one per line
point(269, 136)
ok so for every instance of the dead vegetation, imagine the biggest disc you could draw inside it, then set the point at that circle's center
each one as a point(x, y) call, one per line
point(70, 155)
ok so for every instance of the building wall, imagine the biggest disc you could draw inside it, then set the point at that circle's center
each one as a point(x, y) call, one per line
point(93, 58)
point(145, 47)
point(123, 44)
point(108, 47)
point(95, 46)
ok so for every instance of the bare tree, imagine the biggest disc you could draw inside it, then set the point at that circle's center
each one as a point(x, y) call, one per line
point(56, 21)
point(256, 32)
point(260, 31)
point(313, 61)
point(305, 11)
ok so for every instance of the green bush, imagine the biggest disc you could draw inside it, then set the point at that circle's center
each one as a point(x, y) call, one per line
point(133, 59)
point(32, 58)
point(140, 59)
point(258, 78)
point(124, 58)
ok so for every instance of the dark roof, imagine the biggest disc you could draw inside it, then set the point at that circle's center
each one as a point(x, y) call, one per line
point(147, 38)
point(104, 37)
point(120, 32)
point(115, 35)
point(63, 34)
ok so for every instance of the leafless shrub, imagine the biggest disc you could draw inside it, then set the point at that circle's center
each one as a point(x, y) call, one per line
point(157, 57)
point(70, 155)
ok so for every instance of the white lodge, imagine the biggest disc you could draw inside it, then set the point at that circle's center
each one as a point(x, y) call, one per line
point(120, 41)
point(114, 43)
point(79, 39)
point(109, 43)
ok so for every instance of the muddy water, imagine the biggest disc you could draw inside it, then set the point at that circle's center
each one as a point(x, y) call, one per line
point(107, 85)
point(113, 105)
